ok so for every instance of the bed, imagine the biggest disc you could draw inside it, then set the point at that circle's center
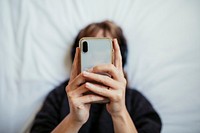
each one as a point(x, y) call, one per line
point(164, 55)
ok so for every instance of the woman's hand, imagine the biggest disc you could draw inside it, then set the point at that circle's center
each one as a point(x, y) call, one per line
point(78, 102)
point(113, 87)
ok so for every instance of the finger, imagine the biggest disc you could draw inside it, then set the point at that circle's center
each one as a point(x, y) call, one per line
point(90, 98)
point(105, 80)
point(78, 92)
point(117, 55)
point(77, 81)
point(75, 66)
point(99, 89)
point(103, 91)
point(107, 69)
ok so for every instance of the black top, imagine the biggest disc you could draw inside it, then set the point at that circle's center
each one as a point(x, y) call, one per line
point(56, 107)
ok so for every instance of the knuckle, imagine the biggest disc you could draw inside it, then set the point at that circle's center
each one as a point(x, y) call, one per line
point(73, 102)
point(95, 68)
point(67, 89)
point(83, 86)
point(104, 80)
point(91, 98)
point(101, 91)
point(98, 68)
point(118, 96)
point(81, 74)
point(124, 81)
point(119, 73)
point(70, 94)
point(111, 66)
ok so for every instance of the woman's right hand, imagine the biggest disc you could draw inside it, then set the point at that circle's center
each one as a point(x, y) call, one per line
point(78, 102)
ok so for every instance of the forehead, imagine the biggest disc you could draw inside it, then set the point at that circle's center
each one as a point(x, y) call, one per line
point(102, 33)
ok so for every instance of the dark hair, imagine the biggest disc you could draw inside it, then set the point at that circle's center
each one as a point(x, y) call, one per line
point(108, 28)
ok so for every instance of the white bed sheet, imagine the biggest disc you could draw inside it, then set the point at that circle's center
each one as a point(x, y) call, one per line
point(163, 63)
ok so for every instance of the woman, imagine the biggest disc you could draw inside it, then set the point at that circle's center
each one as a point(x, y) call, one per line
point(67, 110)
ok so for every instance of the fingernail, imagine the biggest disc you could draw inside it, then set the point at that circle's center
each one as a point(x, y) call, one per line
point(90, 70)
point(85, 73)
point(88, 84)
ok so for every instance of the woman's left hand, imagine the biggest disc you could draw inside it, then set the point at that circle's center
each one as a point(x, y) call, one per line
point(113, 87)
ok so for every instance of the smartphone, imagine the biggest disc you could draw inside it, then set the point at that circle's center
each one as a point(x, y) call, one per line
point(95, 51)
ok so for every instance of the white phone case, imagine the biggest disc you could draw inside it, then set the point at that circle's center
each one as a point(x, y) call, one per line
point(99, 51)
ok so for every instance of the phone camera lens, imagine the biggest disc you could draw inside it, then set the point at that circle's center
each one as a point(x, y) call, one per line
point(85, 46)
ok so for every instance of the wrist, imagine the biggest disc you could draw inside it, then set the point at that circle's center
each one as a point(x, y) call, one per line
point(68, 125)
point(74, 122)
point(120, 113)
